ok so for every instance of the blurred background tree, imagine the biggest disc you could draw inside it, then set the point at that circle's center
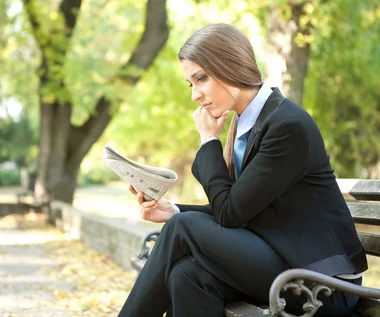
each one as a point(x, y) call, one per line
point(69, 121)
point(342, 86)
point(71, 63)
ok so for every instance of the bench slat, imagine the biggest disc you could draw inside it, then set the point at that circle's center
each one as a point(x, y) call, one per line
point(243, 309)
point(360, 189)
point(368, 189)
point(365, 213)
point(371, 243)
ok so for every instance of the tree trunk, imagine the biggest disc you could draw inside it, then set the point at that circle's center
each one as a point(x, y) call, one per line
point(286, 65)
point(54, 133)
point(62, 145)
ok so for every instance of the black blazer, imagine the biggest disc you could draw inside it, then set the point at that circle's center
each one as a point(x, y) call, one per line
point(287, 192)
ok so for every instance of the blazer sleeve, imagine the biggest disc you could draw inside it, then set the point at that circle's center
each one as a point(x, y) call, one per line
point(202, 208)
point(281, 161)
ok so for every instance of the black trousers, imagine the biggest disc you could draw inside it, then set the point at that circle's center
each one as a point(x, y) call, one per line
point(197, 266)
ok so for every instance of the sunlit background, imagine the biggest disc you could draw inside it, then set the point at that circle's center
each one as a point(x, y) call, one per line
point(71, 84)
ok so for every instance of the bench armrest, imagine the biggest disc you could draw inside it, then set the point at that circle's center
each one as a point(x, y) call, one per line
point(138, 261)
point(293, 279)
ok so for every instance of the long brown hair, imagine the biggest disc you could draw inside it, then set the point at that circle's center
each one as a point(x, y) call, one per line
point(224, 53)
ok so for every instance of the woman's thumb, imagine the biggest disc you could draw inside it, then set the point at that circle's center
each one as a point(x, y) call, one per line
point(220, 121)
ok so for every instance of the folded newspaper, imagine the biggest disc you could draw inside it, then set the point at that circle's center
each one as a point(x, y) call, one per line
point(153, 181)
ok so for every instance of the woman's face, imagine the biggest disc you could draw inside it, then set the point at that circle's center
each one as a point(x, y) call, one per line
point(213, 94)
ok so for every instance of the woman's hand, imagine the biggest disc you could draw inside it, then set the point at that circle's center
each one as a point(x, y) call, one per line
point(153, 210)
point(207, 124)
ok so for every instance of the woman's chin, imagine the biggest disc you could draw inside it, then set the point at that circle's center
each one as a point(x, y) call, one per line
point(215, 114)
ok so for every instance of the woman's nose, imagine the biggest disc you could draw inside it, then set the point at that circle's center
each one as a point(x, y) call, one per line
point(195, 94)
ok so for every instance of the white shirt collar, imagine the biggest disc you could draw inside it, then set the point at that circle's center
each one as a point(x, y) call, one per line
point(250, 114)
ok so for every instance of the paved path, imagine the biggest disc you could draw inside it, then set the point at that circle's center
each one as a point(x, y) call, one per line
point(26, 288)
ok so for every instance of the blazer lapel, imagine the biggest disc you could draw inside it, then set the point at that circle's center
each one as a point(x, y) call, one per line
point(269, 108)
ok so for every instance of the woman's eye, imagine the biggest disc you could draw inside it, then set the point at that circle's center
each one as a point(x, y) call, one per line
point(200, 79)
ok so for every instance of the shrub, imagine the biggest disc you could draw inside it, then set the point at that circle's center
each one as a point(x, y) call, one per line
point(10, 177)
point(94, 176)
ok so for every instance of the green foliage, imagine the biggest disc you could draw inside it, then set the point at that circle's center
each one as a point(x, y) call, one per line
point(19, 84)
point(105, 36)
point(152, 122)
point(10, 177)
point(342, 87)
point(96, 176)
point(93, 172)
point(18, 59)
point(17, 138)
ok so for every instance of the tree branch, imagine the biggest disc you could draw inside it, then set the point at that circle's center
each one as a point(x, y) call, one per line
point(153, 39)
point(70, 9)
point(85, 136)
point(155, 35)
point(28, 6)
point(30, 12)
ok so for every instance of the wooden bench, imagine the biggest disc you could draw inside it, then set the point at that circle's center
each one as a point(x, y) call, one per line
point(363, 199)
point(26, 199)
point(29, 202)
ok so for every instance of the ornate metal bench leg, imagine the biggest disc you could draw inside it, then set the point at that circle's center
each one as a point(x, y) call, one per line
point(312, 304)
point(282, 283)
point(139, 261)
point(145, 250)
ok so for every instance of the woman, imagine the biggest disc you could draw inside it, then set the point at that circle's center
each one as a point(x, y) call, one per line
point(274, 203)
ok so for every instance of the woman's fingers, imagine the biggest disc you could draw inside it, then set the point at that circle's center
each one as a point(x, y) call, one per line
point(149, 204)
point(145, 214)
point(147, 209)
point(132, 189)
point(222, 119)
point(139, 195)
point(207, 124)
point(140, 198)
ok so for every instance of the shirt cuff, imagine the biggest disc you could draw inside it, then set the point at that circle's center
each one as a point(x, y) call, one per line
point(208, 139)
point(176, 210)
